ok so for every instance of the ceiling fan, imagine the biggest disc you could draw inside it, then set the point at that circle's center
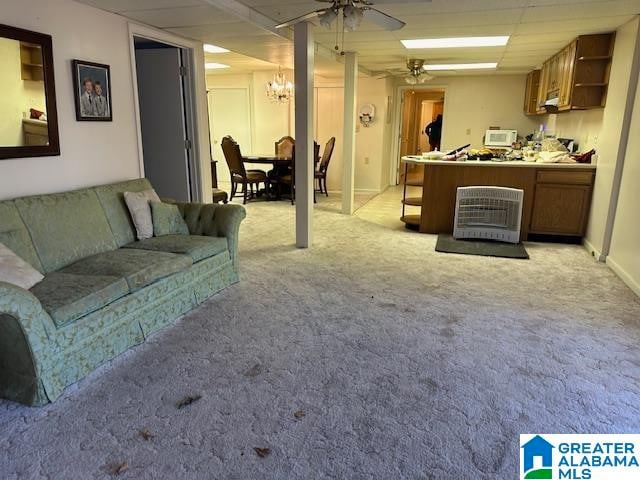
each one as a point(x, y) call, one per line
point(352, 11)
point(414, 73)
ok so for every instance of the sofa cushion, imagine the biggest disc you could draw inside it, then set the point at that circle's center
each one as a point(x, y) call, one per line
point(112, 200)
point(66, 227)
point(15, 270)
point(167, 220)
point(138, 267)
point(67, 297)
point(196, 246)
point(140, 211)
point(14, 234)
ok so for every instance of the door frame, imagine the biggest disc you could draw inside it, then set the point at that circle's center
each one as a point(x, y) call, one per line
point(396, 127)
point(195, 104)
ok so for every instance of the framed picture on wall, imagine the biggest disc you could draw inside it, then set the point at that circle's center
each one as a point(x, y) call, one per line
point(92, 91)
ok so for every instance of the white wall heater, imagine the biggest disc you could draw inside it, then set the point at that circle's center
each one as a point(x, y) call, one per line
point(491, 213)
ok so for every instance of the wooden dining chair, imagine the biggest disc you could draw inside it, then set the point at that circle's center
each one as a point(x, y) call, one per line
point(282, 148)
point(321, 173)
point(288, 178)
point(239, 175)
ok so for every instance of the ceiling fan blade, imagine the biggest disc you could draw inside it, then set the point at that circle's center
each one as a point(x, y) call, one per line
point(302, 18)
point(382, 19)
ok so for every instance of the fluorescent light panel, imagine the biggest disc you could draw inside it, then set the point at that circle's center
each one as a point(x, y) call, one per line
point(456, 42)
point(461, 66)
point(214, 49)
point(215, 66)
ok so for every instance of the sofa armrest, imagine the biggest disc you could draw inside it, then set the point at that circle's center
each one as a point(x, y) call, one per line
point(215, 220)
point(26, 309)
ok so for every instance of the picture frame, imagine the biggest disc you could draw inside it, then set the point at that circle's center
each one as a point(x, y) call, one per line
point(92, 91)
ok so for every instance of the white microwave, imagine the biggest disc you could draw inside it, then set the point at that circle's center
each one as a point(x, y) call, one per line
point(500, 138)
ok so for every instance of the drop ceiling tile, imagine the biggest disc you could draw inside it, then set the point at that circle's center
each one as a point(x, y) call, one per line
point(594, 10)
point(587, 25)
point(181, 17)
point(129, 5)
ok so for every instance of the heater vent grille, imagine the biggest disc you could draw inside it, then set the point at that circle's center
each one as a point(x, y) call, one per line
point(492, 213)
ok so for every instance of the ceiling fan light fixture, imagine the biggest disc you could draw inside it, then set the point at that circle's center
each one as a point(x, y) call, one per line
point(327, 17)
point(352, 17)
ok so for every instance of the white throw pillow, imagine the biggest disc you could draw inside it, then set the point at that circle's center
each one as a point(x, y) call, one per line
point(138, 205)
point(16, 271)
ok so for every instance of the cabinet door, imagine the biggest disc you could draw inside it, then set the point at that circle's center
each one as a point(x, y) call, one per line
point(531, 93)
point(543, 88)
point(568, 68)
point(560, 209)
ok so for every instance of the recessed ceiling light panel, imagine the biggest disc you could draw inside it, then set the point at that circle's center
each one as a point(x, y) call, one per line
point(460, 66)
point(456, 42)
point(215, 66)
point(214, 49)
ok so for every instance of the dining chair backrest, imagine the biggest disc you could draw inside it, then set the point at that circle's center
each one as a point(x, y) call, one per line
point(233, 156)
point(326, 154)
point(284, 147)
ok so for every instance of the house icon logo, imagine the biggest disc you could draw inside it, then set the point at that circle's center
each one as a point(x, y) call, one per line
point(537, 459)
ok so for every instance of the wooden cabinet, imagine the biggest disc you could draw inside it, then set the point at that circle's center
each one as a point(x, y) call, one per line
point(565, 87)
point(577, 76)
point(531, 93)
point(561, 202)
point(556, 199)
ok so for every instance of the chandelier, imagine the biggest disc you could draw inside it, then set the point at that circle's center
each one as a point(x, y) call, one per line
point(279, 89)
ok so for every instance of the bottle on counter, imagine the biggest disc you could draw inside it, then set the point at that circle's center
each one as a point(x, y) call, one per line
point(538, 137)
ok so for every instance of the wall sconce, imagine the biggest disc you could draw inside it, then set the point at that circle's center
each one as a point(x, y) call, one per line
point(367, 114)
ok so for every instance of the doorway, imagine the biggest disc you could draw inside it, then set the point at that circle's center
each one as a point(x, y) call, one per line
point(166, 118)
point(419, 108)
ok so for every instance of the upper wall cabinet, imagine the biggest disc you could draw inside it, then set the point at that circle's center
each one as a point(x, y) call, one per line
point(576, 78)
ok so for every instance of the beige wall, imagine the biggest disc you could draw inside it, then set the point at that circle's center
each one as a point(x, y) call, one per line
point(608, 144)
point(474, 103)
point(583, 126)
point(18, 95)
point(624, 256)
point(91, 152)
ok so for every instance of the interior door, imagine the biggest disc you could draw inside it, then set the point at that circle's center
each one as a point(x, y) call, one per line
point(163, 123)
point(229, 114)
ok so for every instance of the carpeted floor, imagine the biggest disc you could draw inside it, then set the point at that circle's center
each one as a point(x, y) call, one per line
point(406, 363)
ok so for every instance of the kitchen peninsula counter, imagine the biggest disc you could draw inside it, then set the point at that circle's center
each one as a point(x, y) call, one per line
point(557, 196)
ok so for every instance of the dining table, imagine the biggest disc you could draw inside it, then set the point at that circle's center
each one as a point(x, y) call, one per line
point(277, 161)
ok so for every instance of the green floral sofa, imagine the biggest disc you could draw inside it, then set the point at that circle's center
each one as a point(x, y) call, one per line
point(103, 292)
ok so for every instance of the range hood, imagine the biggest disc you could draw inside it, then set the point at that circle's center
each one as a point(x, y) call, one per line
point(551, 104)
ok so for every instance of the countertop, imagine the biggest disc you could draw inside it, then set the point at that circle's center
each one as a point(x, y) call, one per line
point(493, 163)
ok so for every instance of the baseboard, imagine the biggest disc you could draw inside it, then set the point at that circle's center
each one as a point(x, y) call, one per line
point(632, 283)
point(595, 253)
point(359, 191)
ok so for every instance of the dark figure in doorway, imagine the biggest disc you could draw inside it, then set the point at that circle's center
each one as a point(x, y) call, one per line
point(434, 133)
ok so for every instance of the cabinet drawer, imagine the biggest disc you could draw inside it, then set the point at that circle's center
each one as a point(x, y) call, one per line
point(565, 177)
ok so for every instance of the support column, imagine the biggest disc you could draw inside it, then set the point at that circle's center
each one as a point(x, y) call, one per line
point(349, 134)
point(303, 53)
